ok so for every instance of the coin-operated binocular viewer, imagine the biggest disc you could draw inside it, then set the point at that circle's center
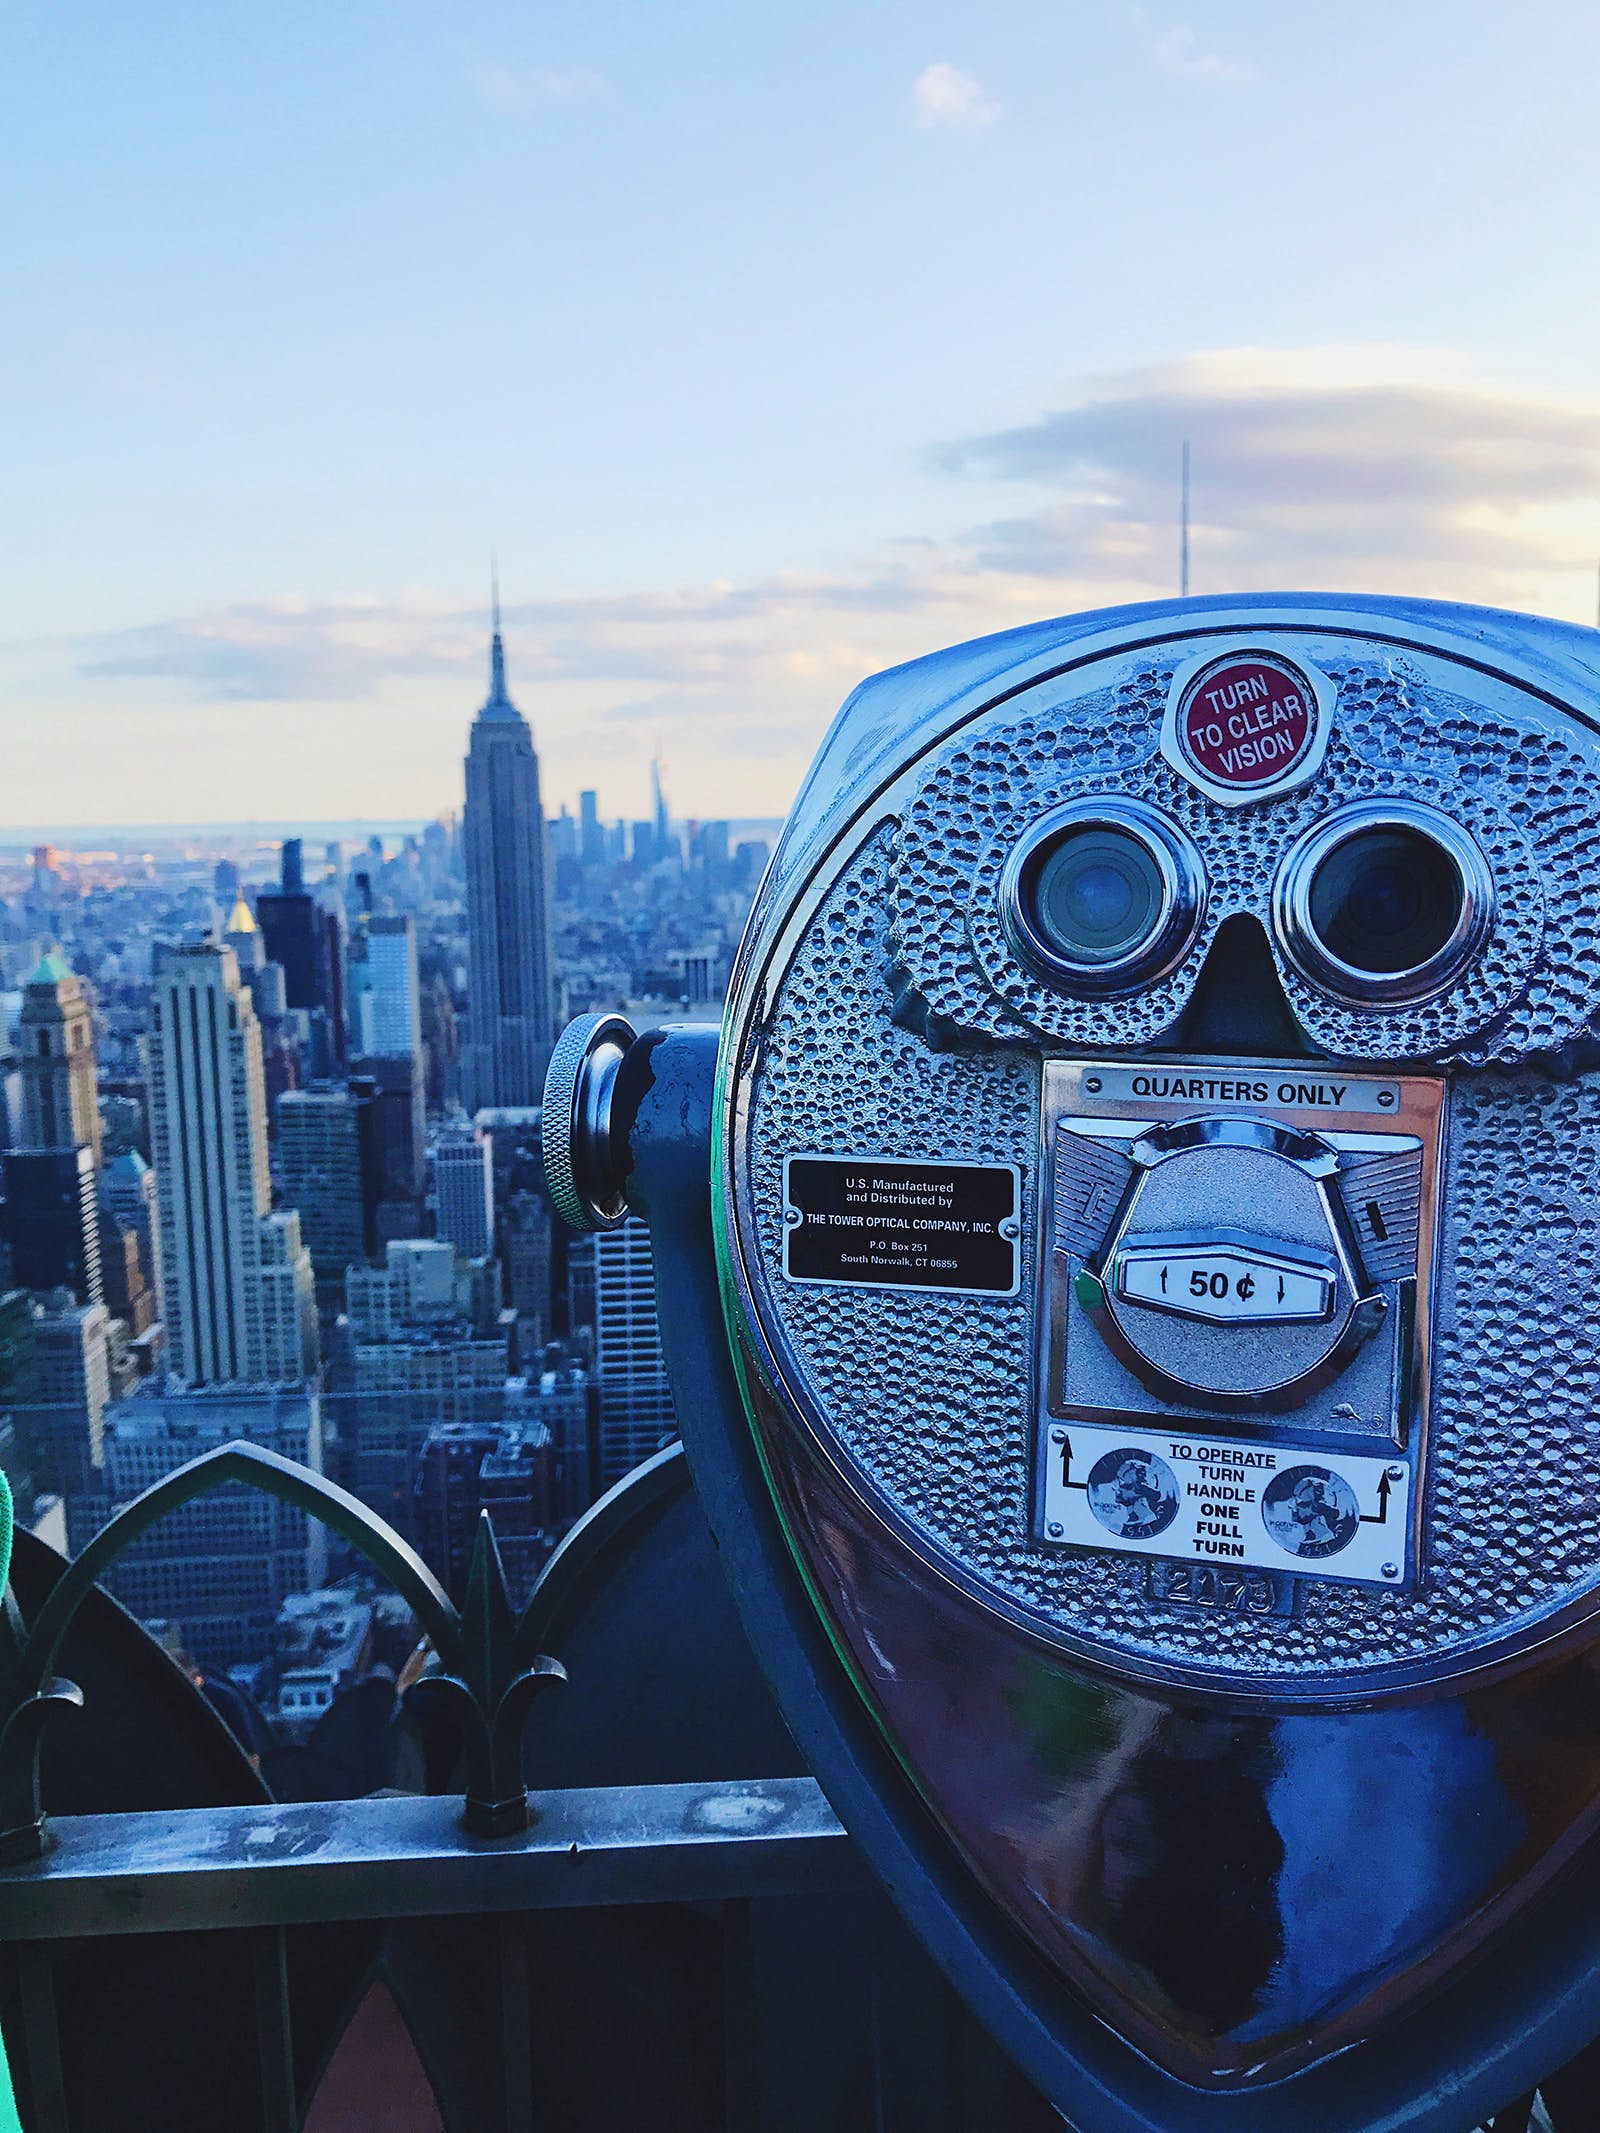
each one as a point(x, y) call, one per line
point(1130, 1274)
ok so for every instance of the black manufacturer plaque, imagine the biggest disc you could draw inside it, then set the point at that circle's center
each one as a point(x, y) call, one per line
point(902, 1225)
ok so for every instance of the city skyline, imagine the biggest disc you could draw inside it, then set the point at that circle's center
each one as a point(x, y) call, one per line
point(903, 322)
point(242, 1196)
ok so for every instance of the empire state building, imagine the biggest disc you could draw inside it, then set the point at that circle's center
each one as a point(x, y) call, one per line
point(510, 1005)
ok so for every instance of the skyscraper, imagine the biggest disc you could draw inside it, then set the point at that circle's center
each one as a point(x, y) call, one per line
point(510, 1000)
point(636, 1416)
point(320, 1144)
point(73, 1391)
point(385, 1013)
point(528, 1254)
point(289, 929)
point(306, 937)
point(243, 936)
point(658, 808)
point(236, 1287)
point(128, 1191)
point(591, 837)
point(52, 1221)
point(55, 1041)
point(123, 1288)
point(386, 1041)
point(463, 1190)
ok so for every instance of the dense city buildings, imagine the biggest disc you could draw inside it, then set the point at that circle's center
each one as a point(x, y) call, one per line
point(324, 1643)
point(423, 1341)
point(128, 1295)
point(252, 1065)
point(396, 1143)
point(511, 998)
point(222, 1566)
point(291, 935)
point(527, 1229)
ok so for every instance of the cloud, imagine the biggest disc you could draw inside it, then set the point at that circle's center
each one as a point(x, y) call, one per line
point(1359, 467)
point(513, 91)
point(942, 95)
point(1364, 468)
point(1178, 51)
point(685, 637)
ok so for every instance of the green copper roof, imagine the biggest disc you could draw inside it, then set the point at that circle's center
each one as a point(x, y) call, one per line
point(53, 967)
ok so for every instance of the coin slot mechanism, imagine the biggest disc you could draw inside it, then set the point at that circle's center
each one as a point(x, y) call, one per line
point(1326, 1183)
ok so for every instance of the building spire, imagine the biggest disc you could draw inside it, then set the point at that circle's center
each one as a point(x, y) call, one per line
point(497, 650)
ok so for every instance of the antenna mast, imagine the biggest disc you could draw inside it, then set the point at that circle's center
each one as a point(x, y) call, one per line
point(1183, 528)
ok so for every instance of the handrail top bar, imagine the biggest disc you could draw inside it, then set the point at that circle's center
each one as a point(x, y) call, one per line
point(405, 1856)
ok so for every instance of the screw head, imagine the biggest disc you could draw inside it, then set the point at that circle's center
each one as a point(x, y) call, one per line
point(1093, 1084)
point(791, 1215)
point(1055, 1529)
point(1386, 1099)
point(1058, 1436)
point(1391, 1570)
point(1011, 1228)
point(1395, 1473)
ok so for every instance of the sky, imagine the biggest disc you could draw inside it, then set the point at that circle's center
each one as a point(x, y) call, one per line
point(766, 346)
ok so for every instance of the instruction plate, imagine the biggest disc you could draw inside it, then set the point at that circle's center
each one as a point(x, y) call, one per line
point(902, 1225)
point(1132, 1490)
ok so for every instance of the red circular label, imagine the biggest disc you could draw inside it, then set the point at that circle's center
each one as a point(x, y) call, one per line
point(1247, 721)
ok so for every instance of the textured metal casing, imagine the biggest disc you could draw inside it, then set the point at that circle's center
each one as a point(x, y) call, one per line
point(887, 1014)
point(879, 1009)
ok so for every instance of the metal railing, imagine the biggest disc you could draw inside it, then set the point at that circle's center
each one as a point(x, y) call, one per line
point(489, 1676)
point(492, 1856)
point(261, 1871)
point(494, 1860)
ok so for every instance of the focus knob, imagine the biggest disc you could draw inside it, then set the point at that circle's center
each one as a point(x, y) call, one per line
point(583, 1170)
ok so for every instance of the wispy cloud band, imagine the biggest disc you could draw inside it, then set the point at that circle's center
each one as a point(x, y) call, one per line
point(1367, 469)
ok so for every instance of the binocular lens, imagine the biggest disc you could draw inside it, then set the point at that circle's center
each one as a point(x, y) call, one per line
point(1104, 895)
point(1387, 900)
point(1100, 895)
point(1384, 904)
